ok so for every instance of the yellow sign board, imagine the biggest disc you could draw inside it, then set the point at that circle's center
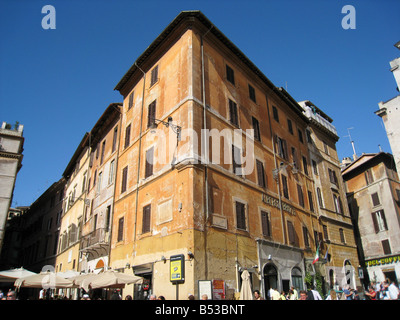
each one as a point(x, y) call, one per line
point(177, 268)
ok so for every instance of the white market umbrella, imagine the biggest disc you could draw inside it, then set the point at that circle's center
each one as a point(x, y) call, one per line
point(13, 274)
point(110, 278)
point(68, 274)
point(246, 292)
point(46, 280)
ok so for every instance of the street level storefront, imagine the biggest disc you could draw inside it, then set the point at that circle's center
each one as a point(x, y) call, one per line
point(281, 267)
point(384, 267)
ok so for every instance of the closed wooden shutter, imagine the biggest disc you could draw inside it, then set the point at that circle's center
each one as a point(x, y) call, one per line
point(120, 229)
point(240, 216)
point(260, 174)
point(233, 113)
point(124, 179)
point(265, 224)
point(151, 114)
point(146, 219)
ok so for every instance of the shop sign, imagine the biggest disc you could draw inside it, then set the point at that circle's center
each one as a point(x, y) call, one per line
point(271, 201)
point(177, 268)
point(382, 261)
point(218, 289)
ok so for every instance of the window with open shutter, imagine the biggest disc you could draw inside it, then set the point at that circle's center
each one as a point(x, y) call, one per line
point(146, 219)
point(305, 236)
point(310, 201)
point(240, 216)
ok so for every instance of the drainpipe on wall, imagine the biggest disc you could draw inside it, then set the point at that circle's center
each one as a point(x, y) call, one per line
point(278, 180)
point(205, 150)
point(140, 148)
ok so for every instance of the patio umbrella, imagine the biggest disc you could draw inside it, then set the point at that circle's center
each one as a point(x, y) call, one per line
point(46, 280)
point(68, 274)
point(77, 280)
point(246, 292)
point(110, 278)
point(13, 274)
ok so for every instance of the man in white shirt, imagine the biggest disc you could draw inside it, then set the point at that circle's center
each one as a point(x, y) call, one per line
point(393, 291)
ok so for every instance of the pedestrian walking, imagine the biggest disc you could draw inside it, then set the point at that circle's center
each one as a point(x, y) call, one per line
point(371, 294)
point(332, 295)
point(293, 294)
point(303, 295)
point(257, 295)
point(393, 290)
point(11, 295)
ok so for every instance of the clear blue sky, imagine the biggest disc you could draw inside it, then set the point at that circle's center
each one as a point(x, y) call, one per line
point(57, 83)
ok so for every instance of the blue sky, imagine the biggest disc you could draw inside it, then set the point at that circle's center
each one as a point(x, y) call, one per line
point(57, 83)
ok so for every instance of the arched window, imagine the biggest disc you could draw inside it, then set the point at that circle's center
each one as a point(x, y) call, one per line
point(297, 278)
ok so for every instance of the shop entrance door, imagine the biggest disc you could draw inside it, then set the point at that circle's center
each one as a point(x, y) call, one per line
point(270, 279)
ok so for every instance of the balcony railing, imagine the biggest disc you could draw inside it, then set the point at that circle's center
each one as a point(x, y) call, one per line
point(320, 120)
point(97, 237)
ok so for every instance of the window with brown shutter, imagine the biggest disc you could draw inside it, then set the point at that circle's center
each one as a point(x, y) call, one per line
point(310, 201)
point(291, 233)
point(146, 219)
point(103, 149)
point(120, 229)
point(130, 103)
point(305, 236)
point(379, 221)
point(240, 216)
point(290, 126)
point(386, 247)
point(265, 224)
point(341, 232)
point(233, 113)
point(151, 116)
point(325, 229)
point(285, 187)
point(149, 162)
point(256, 128)
point(300, 195)
point(275, 113)
point(115, 137)
point(260, 174)
point(124, 179)
point(375, 199)
point(230, 74)
point(154, 76)
point(127, 136)
point(252, 93)
point(305, 165)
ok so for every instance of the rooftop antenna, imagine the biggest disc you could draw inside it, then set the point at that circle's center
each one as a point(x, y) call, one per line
point(352, 143)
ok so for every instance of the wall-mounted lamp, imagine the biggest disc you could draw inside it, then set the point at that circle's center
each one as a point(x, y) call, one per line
point(283, 166)
point(164, 259)
point(176, 129)
point(127, 266)
point(191, 255)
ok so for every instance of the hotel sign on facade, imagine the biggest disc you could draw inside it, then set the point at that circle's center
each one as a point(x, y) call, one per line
point(275, 203)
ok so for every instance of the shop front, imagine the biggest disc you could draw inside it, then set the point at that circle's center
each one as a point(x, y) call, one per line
point(383, 268)
point(281, 267)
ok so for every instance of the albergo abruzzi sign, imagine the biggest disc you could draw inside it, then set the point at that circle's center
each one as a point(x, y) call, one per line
point(382, 261)
point(275, 203)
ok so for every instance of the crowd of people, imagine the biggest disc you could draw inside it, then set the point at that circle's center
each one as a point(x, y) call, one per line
point(386, 290)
